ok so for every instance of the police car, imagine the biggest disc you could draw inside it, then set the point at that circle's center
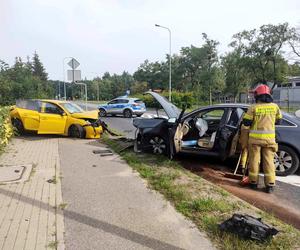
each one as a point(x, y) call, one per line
point(123, 106)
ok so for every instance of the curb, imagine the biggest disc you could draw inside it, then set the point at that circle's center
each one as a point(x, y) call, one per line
point(60, 226)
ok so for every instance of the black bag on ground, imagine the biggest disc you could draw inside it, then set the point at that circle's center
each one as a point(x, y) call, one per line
point(248, 227)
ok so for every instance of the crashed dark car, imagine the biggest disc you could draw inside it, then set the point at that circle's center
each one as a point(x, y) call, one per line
point(212, 131)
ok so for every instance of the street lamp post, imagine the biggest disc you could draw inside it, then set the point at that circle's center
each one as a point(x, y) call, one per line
point(170, 63)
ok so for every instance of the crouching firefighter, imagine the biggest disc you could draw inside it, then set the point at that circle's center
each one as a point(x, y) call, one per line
point(261, 117)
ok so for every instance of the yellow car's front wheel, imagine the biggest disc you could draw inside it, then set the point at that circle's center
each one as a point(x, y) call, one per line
point(76, 131)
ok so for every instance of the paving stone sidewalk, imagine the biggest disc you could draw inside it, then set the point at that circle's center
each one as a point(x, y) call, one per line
point(30, 217)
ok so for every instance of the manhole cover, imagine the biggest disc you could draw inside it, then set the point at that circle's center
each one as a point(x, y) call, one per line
point(9, 174)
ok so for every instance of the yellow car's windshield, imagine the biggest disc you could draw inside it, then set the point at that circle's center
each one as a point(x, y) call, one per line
point(72, 108)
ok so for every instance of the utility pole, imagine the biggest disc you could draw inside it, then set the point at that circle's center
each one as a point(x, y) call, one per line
point(170, 60)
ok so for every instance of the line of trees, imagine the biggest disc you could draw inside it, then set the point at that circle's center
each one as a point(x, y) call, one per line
point(258, 55)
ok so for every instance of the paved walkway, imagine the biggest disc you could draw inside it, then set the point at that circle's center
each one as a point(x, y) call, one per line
point(29, 214)
point(110, 207)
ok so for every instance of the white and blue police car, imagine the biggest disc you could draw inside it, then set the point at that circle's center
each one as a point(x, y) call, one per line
point(123, 106)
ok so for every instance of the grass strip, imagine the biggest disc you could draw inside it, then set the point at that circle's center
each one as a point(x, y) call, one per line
point(206, 204)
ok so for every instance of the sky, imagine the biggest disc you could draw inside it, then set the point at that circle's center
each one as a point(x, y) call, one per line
point(118, 35)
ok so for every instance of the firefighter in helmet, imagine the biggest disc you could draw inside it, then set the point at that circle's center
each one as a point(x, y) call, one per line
point(261, 117)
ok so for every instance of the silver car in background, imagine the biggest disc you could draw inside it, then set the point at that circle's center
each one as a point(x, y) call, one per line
point(123, 106)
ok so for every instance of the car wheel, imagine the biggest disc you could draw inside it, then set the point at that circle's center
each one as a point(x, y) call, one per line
point(139, 115)
point(102, 113)
point(127, 113)
point(18, 125)
point(76, 131)
point(286, 161)
point(159, 145)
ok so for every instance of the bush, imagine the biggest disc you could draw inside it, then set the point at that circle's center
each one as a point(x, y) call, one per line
point(6, 130)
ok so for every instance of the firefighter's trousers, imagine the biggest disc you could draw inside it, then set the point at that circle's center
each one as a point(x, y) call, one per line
point(261, 151)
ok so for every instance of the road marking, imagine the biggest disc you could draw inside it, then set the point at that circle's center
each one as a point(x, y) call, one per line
point(291, 179)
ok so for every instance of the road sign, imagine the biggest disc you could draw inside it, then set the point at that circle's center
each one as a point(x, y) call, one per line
point(73, 63)
point(74, 75)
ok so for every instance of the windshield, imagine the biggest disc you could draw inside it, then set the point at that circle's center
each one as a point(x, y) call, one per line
point(72, 107)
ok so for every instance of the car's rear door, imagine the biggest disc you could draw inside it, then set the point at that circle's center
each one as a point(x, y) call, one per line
point(29, 113)
point(52, 119)
point(228, 132)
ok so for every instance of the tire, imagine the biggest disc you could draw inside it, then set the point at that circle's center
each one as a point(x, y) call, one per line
point(18, 125)
point(139, 115)
point(286, 161)
point(76, 131)
point(102, 113)
point(158, 145)
point(127, 113)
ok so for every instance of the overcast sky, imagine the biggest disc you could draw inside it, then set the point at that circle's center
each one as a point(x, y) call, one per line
point(118, 35)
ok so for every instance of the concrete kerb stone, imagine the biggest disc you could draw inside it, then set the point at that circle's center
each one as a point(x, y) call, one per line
point(60, 227)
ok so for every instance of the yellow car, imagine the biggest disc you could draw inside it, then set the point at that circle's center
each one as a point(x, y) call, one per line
point(55, 117)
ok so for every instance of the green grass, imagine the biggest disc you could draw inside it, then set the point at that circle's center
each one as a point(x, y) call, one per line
point(202, 202)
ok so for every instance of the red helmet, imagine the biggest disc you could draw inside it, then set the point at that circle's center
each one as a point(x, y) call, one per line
point(262, 89)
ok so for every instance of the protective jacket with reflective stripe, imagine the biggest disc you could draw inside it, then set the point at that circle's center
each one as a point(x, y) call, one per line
point(262, 117)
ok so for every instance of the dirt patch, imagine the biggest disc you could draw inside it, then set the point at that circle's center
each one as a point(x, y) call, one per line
point(271, 203)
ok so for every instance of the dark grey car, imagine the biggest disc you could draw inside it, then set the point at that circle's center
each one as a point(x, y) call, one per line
point(213, 131)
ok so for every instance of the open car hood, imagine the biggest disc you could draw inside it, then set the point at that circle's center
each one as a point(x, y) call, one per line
point(171, 110)
point(88, 115)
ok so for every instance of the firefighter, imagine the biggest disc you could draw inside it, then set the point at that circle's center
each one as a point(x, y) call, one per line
point(261, 117)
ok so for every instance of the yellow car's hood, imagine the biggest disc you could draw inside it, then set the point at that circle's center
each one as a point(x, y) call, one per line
point(88, 114)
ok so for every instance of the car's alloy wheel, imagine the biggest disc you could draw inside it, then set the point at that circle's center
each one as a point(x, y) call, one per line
point(102, 113)
point(286, 161)
point(158, 145)
point(127, 113)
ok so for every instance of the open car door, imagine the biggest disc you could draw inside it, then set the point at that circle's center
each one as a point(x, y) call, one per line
point(175, 135)
point(228, 133)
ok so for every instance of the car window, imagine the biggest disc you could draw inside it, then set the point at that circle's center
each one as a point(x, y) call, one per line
point(286, 123)
point(138, 101)
point(72, 107)
point(113, 102)
point(212, 114)
point(235, 117)
point(34, 105)
point(51, 108)
point(123, 101)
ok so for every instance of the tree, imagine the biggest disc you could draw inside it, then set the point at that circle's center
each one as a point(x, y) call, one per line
point(261, 48)
point(38, 69)
point(236, 73)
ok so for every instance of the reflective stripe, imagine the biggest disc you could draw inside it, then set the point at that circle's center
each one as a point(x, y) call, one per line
point(248, 117)
point(269, 174)
point(262, 136)
point(262, 131)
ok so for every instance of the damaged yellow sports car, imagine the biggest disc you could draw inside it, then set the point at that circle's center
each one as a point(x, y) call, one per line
point(55, 117)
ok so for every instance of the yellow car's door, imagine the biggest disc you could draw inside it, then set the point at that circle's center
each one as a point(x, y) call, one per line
point(29, 113)
point(30, 118)
point(52, 119)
